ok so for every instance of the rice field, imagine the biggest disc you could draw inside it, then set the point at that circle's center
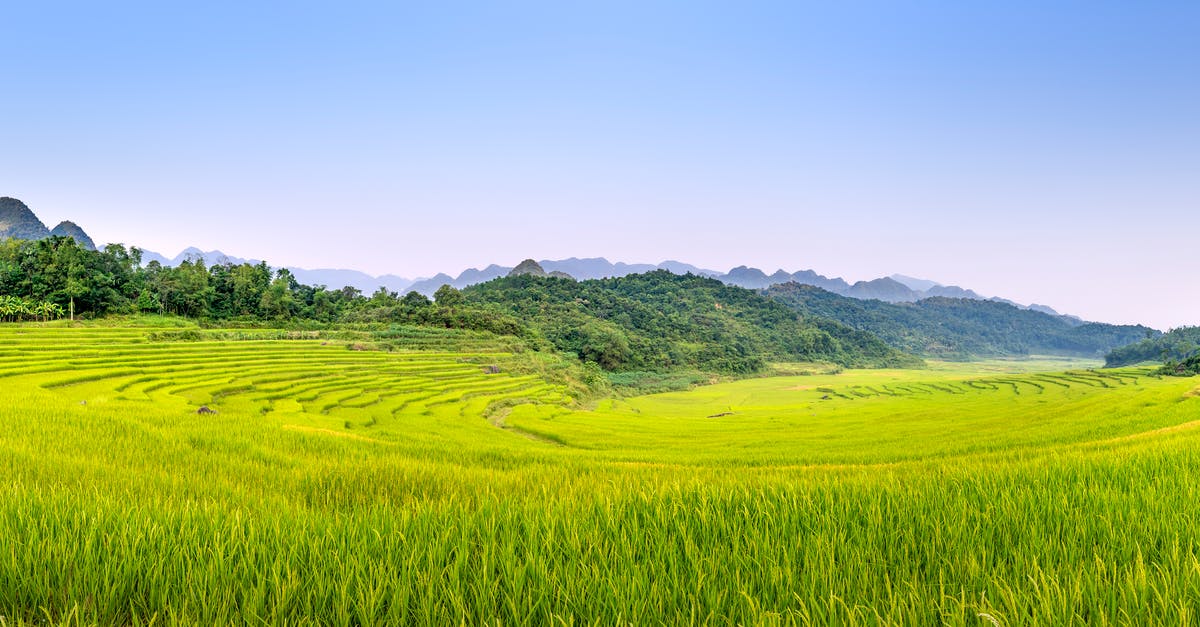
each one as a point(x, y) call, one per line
point(455, 480)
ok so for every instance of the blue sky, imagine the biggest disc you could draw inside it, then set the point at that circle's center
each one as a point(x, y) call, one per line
point(1043, 151)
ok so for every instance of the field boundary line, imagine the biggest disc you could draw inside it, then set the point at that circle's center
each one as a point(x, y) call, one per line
point(320, 430)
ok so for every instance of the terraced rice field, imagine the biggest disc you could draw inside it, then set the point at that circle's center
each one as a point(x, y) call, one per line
point(358, 487)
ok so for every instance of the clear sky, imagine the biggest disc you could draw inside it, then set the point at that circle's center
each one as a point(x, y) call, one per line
point(1042, 151)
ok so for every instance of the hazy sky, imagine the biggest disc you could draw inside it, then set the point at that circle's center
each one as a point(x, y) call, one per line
point(1042, 151)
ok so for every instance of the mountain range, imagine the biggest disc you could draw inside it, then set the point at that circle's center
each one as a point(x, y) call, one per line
point(329, 277)
point(17, 220)
point(893, 289)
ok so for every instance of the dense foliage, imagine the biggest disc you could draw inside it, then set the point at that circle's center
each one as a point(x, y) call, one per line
point(14, 309)
point(1189, 367)
point(655, 321)
point(1176, 345)
point(58, 271)
point(663, 320)
point(961, 328)
point(112, 281)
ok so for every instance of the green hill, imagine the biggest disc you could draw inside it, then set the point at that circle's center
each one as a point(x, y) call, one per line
point(660, 320)
point(956, 328)
point(16, 220)
point(1177, 345)
point(66, 228)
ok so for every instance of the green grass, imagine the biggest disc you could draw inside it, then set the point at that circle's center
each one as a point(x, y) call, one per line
point(366, 487)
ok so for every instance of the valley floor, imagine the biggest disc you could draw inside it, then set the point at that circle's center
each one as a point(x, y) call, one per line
point(453, 482)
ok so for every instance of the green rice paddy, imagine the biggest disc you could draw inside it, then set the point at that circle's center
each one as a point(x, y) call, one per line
point(419, 486)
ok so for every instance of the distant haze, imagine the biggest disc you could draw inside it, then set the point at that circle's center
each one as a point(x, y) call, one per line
point(1043, 152)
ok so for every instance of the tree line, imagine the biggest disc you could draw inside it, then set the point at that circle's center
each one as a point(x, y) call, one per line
point(95, 283)
point(957, 328)
point(1175, 346)
point(655, 321)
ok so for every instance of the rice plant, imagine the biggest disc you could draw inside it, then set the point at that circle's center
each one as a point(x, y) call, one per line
point(418, 486)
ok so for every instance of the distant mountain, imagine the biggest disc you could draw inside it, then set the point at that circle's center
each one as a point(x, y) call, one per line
point(885, 289)
point(1042, 308)
point(210, 258)
point(808, 277)
point(915, 284)
point(574, 268)
point(149, 256)
point(363, 282)
point(329, 277)
point(753, 278)
point(471, 276)
point(952, 291)
point(69, 229)
point(594, 268)
point(17, 220)
point(528, 267)
point(430, 285)
point(897, 288)
point(958, 328)
point(927, 288)
point(742, 276)
point(678, 267)
point(894, 289)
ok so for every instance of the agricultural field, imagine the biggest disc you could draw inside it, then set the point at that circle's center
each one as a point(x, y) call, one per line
point(457, 478)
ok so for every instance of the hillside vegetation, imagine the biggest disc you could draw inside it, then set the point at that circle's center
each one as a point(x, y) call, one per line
point(655, 321)
point(957, 328)
point(1175, 345)
point(1189, 367)
point(660, 320)
point(338, 486)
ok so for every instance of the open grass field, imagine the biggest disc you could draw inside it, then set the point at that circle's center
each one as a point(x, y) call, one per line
point(359, 487)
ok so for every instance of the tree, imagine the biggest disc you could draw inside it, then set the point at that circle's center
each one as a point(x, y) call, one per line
point(193, 294)
point(75, 286)
point(147, 301)
point(415, 299)
point(447, 296)
point(277, 302)
point(383, 297)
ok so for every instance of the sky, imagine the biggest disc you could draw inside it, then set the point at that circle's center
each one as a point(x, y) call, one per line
point(1045, 152)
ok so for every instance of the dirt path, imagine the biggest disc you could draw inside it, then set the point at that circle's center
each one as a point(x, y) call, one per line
point(497, 418)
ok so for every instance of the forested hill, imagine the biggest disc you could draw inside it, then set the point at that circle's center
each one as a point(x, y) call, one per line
point(655, 321)
point(661, 320)
point(960, 328)
point(1177, 345)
